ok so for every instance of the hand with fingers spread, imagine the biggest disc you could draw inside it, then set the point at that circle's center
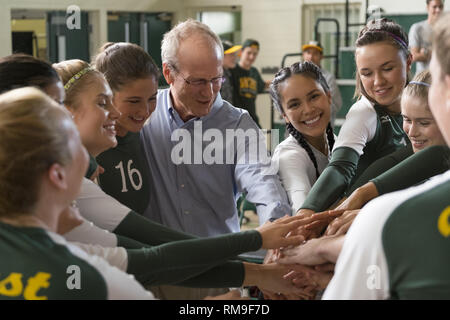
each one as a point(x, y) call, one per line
point(313, 252)
point(270, 278)
point(340, 225)
point(359, 197)
point(313, 225)
point(274, 233)
point(306, 254)
point(306, 277)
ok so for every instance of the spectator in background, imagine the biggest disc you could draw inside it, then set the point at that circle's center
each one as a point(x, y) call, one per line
point(313, 52)
point(247, 79)
point(230, 52)
point(420, 35)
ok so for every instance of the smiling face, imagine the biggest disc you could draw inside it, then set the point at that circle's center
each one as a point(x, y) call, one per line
point(419, 124)
point(248, 56)
point(383, 71)
point(135, 101)
point(199, 58)
point(305, 105)
point(96, 117)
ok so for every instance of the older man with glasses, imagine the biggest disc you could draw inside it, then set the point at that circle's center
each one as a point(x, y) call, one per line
point(201, 149)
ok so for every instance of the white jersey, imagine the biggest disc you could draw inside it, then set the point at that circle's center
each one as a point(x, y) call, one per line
point(89, 233)
point(296, 170)
point(100, 208)
point(359, 127)
point(361, 270)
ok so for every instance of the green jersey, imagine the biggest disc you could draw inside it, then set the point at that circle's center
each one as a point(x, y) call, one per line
point(398, 247)
point(246, 85)
point(40, 265)
point(126, 175)
point(368, 134)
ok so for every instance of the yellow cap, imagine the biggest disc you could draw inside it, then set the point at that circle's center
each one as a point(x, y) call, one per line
point(314, 45)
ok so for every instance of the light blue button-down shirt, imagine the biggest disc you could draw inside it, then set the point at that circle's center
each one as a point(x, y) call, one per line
point(191, 192)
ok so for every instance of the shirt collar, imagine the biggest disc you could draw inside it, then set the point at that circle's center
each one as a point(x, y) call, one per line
point(175, 117)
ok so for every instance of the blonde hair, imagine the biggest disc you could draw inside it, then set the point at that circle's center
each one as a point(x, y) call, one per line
point(419, 87)
point(34, 135)
point(183, 30)
point(69, 68)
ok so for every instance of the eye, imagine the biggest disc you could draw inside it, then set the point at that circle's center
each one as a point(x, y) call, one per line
point(388, 68)
point(133, 101)
point(424, 123)
point(293, 105)
point(199, 82)
point(315, 96)
point(366, 74)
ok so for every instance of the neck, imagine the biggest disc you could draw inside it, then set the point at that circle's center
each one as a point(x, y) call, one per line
point(394, 108)
point(244, 65)
point(319, 143)
point(184, 114)
point(27, 220)
point(121, 131)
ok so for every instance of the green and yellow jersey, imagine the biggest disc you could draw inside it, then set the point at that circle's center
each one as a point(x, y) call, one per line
point(39, 265)
point(398, 247)
point(126, 177)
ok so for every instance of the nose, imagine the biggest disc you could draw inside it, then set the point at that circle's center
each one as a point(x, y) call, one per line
point(413, 130)
point(379, 79)
point(113, 113)
point(208, 89)
point(308, 107)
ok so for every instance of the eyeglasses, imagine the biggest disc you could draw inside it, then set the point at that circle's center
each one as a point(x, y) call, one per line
point(202, 82)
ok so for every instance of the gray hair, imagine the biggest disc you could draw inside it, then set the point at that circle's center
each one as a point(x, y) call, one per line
point(183, 30)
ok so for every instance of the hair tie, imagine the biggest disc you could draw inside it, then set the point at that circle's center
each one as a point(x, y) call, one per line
point(396, 38)
point(76, 77)
point(420, 83)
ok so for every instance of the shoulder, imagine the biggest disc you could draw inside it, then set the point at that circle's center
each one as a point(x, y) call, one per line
point(289, 150)
point(231, 117)
point(362, 107)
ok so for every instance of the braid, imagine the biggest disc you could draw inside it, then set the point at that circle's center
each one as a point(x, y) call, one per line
point(330, 137)
point(302, 142)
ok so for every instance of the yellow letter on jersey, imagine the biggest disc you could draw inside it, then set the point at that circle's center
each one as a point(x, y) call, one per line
point(14, 280)
point(40, 280)
point(443, 222)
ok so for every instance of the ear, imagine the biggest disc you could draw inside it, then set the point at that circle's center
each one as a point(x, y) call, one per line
point(409, 63)
point(286, 119)
point(168, 74)
point(57, 176)
point(329, 97)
